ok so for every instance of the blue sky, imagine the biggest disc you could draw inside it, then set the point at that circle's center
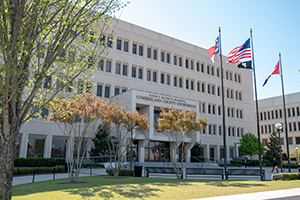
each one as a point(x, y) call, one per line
point(275, 26)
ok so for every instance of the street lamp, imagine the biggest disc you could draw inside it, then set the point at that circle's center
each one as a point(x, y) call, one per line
point(278, 127)
point(297, 155)
point(235, 143)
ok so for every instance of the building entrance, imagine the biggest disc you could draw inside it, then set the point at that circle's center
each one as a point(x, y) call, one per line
point(157, 152)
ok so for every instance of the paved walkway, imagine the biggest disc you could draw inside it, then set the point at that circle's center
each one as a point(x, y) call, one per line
point(289, 194)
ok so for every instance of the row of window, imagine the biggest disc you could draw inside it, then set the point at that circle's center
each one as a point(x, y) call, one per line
point(217, 110)
point(165, 56)
point(275, 114)
point(213, 129)
point(292, 127)
point(165, 78)
point(291, 141)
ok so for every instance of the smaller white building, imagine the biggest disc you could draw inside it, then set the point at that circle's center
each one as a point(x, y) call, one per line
point(271, 112)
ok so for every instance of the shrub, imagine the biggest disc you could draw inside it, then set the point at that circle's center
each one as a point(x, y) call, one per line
point(123, 172)
point(290, 176)
point(40, 170)
point(38, 162)
point(99, 165)
point(293, 165)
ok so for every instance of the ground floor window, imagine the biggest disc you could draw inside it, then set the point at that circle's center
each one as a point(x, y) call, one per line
point(35, 148)
point(58, 149)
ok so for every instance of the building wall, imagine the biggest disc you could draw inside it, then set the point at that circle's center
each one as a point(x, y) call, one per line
point(268, 118)
point(201, 84)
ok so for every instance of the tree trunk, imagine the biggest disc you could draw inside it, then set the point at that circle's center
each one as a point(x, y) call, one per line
point(7, 158)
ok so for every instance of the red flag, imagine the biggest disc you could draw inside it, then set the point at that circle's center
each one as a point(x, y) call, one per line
point(275, 71)
point(211, 52)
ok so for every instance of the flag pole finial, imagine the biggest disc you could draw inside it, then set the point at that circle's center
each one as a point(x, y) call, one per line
point(279, 53)
point(219, 28)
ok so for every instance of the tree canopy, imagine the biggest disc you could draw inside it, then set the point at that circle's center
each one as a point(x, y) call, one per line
point(249, 145)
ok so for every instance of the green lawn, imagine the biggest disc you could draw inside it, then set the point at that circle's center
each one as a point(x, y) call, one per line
point(100, 187)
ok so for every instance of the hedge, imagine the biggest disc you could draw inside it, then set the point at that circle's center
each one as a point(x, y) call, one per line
point(123, 172)
point(100, 165)
point(290, 176)
point(286, 165)
point(41, 170)
point(38, 162)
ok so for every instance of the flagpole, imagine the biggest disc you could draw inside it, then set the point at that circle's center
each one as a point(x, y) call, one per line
point(284, 111)
point(256, 102)
point(223, 107)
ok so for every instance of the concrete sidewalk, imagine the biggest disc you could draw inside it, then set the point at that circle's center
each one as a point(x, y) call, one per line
point(289, 194)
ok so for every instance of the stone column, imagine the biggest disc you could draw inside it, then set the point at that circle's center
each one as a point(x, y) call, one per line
point(23, 145)
point(48, 146)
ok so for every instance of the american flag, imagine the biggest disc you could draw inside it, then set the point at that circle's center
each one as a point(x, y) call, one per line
point(239, 52)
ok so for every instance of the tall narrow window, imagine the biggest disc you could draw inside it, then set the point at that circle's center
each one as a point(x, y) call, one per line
point(119, 44)
point(108, 66)
point(133, 72)
point(118, 68)
point(154, 54)
point(148, 75)
point(141, 48)
point(149, 52)
point(134, 48)
point(106, 92)
point(124, 70)
point(140, 73)
point(125, 46)
point(154, 76)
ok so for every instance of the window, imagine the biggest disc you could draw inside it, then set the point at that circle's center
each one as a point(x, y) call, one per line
point(180, 82)
point(80, 87)
point(214, 109)
point(192, 85)
point(227, 75)
point(117, 91)
point(276, 114)
point(118, 68)
point(237, 113)
point(230, 74)
point(175, 81)
point(202, 67)
point(175, 60)
point(239, 78)
point(168, 58)
point(290, 127)
point(220, 130)
point(154, 76)
point(148, 75)
point(293, 112)
point(198, 86)
point(124, 90)
point(125, 46)
point(109, 41)
point(219, 110)
point(133, 72)
point(233, 131)
point(141, 48)
point(203, 107)
point(298, 111)
point(280, 113)
point(268, 114)
point(295, 127)
point(231, 94)
point(228, 112)
point(162, 78)
point(106, 92)
point(203, 87)
point(180, 61)
point(218, 72)
point(240, 96)
point(108, 66)
point(297, 140)
point(162, 56)
point(186, 84)
point(149, 52)
point(99, 90)
point(218, 90)
point(187, 63)
point(227, 93)
point(236, 95)
point(100, 65)
point(124, 70)
point(168, 79)
point(241, 114)
point(207, 67)
point(192, 65)
point(140, 76)
point(154, 54)
point(119, 44)
point(235, 77)
point(208, 88)
point(212, 71)
point(289, 112)
point(290, 140)
point(47, 84)
point(102, 39)
point(213, 90)
point(134, 48)
point(229, 131)
point(198, 67)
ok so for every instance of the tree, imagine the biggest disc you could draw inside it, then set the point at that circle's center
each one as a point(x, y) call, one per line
point(197, 150)
point(181, 128)
point(272, 148)
point(101, 142)
point(249, 145)
point(67, 113)
point(44, 47)
point(127, 125)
